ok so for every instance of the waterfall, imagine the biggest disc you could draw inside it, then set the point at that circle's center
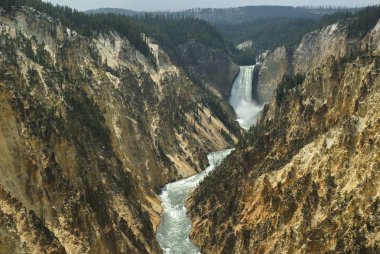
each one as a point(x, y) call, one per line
point(247, 110)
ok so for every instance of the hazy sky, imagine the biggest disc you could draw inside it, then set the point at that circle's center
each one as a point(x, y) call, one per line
point(149, 5)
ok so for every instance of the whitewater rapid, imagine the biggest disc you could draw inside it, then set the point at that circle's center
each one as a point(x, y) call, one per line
point(247, 109)
point(173, 232)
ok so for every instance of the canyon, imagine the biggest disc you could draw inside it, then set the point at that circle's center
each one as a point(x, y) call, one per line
point(127, 137)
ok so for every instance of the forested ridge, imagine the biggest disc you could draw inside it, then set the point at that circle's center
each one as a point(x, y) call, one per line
point(87, 25)
point(268, 27)
point(173, 30)
point(236, 15)
point(270, 33)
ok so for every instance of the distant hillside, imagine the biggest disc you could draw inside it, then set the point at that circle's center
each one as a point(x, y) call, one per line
point(249, 13)
point(114, 11)
point(268, 27)
point(239, 14)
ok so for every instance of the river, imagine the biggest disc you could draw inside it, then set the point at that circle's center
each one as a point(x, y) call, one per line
point(173, 232)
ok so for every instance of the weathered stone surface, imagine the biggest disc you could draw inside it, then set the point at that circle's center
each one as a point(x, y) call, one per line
point(318, 46)
point(273, 68)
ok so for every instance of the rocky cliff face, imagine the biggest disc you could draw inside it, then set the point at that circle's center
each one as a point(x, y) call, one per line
point(317, 46)
point(371, 42)
point(89, 129)
point(306, 179)
point(209, 66)
point(273, 68)
point(314, 49)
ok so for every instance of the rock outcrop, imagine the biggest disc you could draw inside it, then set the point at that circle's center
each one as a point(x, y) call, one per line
point(318, 46)
point(371, 43)
point(306, 178)
point(273, 68)
point(89, 130)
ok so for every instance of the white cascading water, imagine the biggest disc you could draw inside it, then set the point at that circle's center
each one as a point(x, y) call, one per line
point(173, 232)
point(247, 110)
